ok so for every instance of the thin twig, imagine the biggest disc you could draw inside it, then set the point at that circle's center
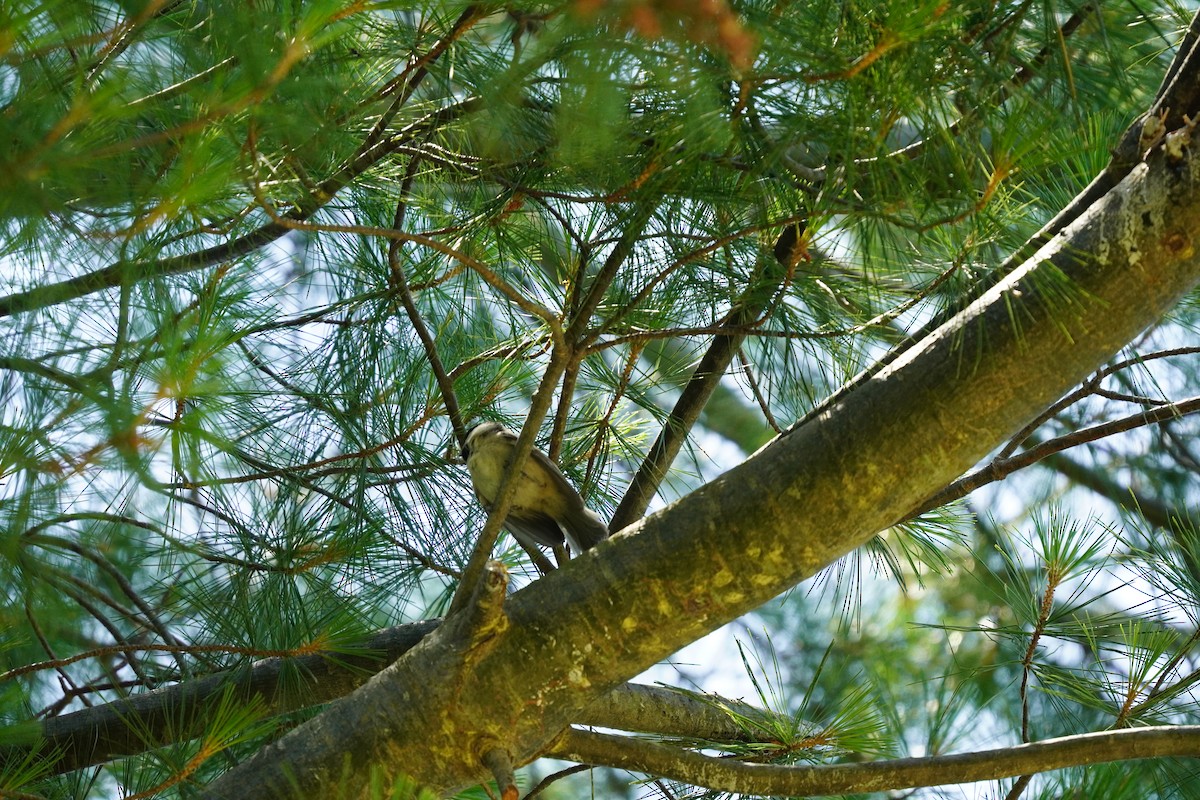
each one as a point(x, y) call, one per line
point(66, 681)
point(400, 282)
point(748, 371)
point(1053, 578)
point(566, 396)
point(1018, 788)
point(545, 782)
point(1001, 468)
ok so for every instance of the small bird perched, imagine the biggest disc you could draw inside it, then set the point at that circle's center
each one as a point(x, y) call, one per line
point(544, 506)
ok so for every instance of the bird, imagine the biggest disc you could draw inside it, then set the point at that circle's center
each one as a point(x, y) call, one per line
point(545, 507)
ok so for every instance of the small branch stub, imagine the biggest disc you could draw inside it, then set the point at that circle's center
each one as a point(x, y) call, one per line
point(499, 762)
point(484, 615)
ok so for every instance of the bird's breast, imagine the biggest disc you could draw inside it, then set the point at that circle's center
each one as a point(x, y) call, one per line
point(535, 490)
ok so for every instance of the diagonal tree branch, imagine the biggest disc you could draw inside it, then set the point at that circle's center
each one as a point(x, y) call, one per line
point(849, 470)
point(707, 375)
point(183, 711)
point(404, 291)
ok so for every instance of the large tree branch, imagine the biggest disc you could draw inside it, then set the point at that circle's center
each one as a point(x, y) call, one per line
point(182, 711)
point(877, 776)
point(814, 494)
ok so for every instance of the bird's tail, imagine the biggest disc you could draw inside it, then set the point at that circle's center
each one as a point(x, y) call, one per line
point(584, 529)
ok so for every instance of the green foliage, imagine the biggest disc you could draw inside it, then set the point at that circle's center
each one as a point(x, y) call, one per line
point(222, 431)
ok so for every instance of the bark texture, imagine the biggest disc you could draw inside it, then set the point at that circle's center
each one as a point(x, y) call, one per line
point(812, 495)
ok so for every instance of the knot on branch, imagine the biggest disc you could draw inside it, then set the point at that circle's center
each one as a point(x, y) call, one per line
point(483, 619)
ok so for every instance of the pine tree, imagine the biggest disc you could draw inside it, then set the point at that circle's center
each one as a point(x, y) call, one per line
point(894, 298)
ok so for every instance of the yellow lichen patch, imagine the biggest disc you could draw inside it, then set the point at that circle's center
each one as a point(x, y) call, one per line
point(576, 678)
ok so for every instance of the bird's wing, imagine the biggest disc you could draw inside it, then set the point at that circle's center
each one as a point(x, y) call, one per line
point(567, 491)
point(583, 527)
